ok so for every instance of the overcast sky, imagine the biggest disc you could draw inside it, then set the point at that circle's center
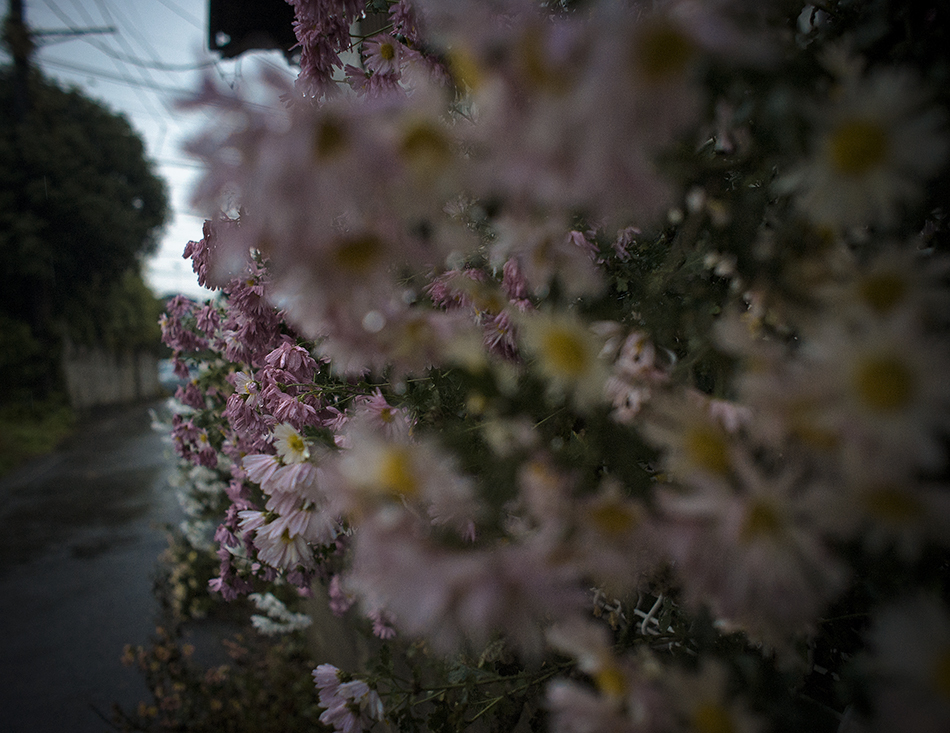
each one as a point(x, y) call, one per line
point(156, 55)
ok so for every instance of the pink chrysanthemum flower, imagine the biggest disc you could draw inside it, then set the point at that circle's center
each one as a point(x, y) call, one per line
point(637, 370)
point(899, 283)
point(624, 700)
point(879, 391)
point(261, 467)
point(278, 548)
point(878, 504)
point(696, 444)
point(578, 709)
point(459, 598)
point(617, 542)
point(349, 706)
point(393, 422)
point(545, 251)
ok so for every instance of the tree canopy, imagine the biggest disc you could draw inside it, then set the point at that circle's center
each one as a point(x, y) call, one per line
point(80, 204)
point(80, 208)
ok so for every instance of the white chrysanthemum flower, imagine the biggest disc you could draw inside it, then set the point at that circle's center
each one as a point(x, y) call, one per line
point(567, 353)
point(376, 471)
point(873, 151)
point(882, 391)
point(290, 444)
point(898, 282)
point(694, 439)
point(279, 618)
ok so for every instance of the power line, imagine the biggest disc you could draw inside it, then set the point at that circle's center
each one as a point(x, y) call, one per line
point(107, 15)
point(129, 81)
point(70, 33)
point(184, 15)
point(120, 38)
point(155, 65)
point(65, 19)
point(109, 76)
point(132, 27)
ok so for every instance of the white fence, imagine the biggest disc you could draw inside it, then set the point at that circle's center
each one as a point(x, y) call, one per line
point(96, 377)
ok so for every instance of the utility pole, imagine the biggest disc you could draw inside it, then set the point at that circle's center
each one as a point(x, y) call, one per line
point(20, 43)
point(20, 40)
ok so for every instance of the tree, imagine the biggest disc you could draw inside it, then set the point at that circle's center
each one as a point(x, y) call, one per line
point(80, 207)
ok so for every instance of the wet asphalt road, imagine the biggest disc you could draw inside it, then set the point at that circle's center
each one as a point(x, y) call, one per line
point(81, 533)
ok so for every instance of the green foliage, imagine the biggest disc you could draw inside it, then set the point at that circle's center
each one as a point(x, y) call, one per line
point(78, 198)
point(31, 429)
point(121, 315)
point(80, 206)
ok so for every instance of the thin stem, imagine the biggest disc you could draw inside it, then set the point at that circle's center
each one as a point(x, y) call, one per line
point(488, 707)
point(650, 614)
point(360, 39)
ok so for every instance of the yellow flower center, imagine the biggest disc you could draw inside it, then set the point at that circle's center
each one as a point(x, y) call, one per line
point(940, 674)
point(611, 680)
point(815, 437)
point(537, 68)
point(893, 504)
point(707, 448)
point(884, 384)
point(387, 51)
point(761, 520)
point(711, 717)
point(661, 52)
point(613, 519)
point(426, 148)
point(413, 336)
point(564, 353)
point(882, 291)
point(296, 444)
point(330, 138)
point(858, 147)
point(465, 69)
point(395, 472)
point(805, 426)
point(357, 254)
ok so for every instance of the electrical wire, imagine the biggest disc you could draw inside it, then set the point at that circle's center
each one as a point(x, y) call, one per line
point(120, 38)
point(120, 78)
point(184, 15)
point(180, 92)
point(154, 65)
point(69, 22)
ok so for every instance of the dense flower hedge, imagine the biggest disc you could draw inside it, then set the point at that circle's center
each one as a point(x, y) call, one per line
point(594, 355)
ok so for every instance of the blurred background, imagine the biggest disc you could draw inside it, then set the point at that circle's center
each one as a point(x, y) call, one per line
point(94, 216)
point(94, 192)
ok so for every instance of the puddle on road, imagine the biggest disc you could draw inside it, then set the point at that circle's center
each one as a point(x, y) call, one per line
point(92, 495)
point(49, 516)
